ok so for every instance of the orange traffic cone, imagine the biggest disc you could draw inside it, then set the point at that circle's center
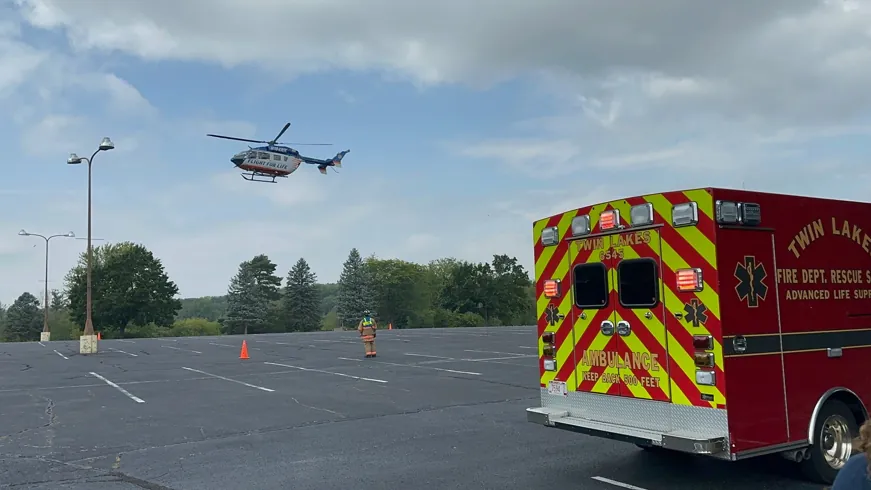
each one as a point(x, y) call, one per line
point(244, 353)
point(99, 336)
point(389, 326)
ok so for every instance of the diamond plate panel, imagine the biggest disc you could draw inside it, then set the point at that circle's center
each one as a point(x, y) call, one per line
point(662, 417)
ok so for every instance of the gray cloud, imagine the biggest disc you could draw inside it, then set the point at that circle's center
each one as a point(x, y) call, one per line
point(780, 59)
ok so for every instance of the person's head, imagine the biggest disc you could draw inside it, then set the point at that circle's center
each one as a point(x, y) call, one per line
point(366, 313)
point(863, 442)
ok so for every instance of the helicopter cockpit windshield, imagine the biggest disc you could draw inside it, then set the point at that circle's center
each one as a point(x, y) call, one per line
point(240, 157)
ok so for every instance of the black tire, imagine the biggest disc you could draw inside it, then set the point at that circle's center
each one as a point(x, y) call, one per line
point(815, 468)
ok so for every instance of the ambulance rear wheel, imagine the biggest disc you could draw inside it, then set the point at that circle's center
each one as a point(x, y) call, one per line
point(834, 430)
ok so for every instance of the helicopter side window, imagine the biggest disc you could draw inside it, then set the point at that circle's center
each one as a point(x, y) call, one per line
point(277, 158)
point(285, 158)
point(263, 156)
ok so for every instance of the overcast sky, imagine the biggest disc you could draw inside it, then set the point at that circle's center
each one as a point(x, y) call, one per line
point(465, 120)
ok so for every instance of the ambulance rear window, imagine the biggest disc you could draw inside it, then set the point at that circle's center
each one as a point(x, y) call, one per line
point(638, 283)
point(590, 283)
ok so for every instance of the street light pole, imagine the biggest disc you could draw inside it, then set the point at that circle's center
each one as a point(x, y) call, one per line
point(46, 332)
point(89, 345)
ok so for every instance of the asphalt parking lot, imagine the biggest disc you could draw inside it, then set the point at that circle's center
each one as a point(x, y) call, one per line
point(437, 409)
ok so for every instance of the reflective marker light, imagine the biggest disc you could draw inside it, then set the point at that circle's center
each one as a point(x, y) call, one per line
point(641, 214)
point(609, 220)
point(749, 213)
point(703, 342)
point(727, 212)
point(550, 236)
point(704, 359)
point(548, 351)
point(685, 214)
point(708, 378)
point(689, 280)
point(552, 288)
point(581, 225)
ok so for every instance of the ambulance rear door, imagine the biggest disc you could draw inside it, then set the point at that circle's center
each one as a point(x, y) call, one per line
point(639, 314)
point(596, 346)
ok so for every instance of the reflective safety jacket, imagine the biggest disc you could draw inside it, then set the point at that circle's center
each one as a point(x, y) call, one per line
point(367, 328)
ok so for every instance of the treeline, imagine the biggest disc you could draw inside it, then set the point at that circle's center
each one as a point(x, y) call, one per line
point(134, 297)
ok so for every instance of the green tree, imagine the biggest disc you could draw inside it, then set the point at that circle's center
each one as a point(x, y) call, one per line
point(58, 301)
point(23, 320)
point(62, 327)
point(193, 327)
point(247, 307)
point(355, 291)
point(129, 285)
point(2, 322)
point(399, 290)
point(301, 309)
point(211, 308)
point(328, 297)
point(268, 283)
point(498, 291)
point(508, 291)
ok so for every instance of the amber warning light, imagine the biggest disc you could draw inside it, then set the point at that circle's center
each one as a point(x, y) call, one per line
point(689, 280)
point(608, 220)
point(552, 288)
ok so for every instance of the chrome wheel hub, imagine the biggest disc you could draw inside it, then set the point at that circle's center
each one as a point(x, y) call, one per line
point(837, 441)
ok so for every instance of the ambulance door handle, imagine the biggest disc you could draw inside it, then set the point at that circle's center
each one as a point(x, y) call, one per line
point(607, 328)
point(623, 328)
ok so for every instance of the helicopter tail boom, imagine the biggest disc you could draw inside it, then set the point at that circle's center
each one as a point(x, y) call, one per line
point(336, 161)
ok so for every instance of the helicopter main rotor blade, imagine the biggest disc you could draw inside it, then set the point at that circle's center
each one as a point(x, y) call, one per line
point(280, 133)
point(236, 139)
point(306, 144)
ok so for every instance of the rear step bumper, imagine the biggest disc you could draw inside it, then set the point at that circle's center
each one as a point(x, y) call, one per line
point(679, 440)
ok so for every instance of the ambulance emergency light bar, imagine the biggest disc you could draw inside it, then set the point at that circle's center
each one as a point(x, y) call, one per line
point(738, 213)
point(684, 214)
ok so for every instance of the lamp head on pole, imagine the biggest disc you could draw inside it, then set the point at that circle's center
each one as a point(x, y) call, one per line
point(106, 144)
point(74, 159)
point(23, 233)
point(71, 235)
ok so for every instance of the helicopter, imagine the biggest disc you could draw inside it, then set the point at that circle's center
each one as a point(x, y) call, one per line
point(267, 163)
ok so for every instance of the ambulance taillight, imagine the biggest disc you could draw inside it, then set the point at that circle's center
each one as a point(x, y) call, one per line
point(548, 351)
point(704, 360)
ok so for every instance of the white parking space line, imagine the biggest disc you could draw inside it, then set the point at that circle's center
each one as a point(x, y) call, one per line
point(616, 483)
point(127, 341)
point(179, 348)
point(167, 340)
point(486, 359)
point(427, 355)
point(495, 352)
point(526, 347)
point(228, 379)
point(326, 372)
point(58, 353)
point(40, 343)
point(416, 366)
point(222, 345)
point(122, 390)
point(123, 352)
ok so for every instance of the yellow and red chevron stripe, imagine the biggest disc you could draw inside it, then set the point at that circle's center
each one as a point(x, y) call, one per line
point(684, 247)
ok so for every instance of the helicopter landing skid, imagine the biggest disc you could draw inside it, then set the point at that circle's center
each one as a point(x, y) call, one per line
point(253, 177)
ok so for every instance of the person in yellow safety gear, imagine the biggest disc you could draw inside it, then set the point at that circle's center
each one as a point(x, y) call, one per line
point(367, 329)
